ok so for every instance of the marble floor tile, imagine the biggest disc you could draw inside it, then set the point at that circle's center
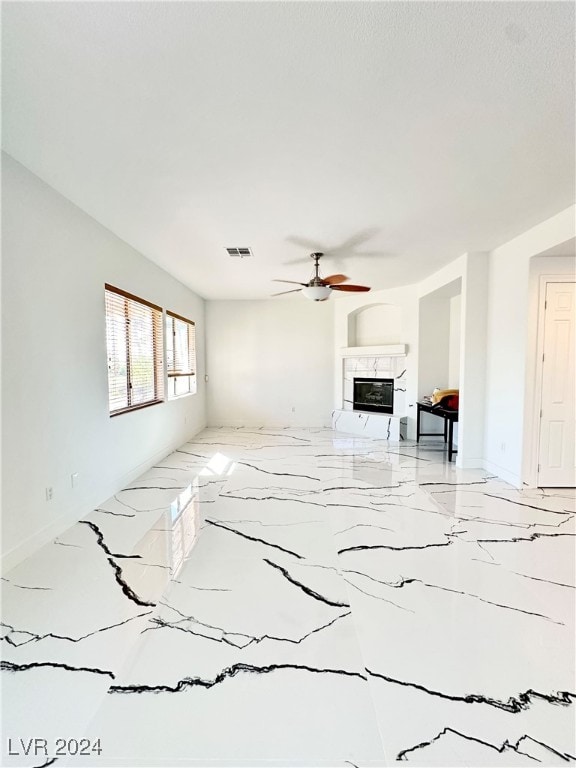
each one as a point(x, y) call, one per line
point(293, 597)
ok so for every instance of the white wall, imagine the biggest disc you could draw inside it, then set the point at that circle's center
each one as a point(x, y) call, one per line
point(473, 360)
point(269, 362)
point(433, 344)
point(379, 324)
point(454, 342)
point(507, 342)
point(56, 260)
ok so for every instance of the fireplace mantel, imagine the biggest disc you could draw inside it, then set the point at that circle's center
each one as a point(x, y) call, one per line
point(384, 350)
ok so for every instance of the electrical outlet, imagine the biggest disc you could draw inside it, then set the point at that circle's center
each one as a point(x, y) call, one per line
point(503, 447)
point(74, 479)
point(293, 409)
point(49, 494)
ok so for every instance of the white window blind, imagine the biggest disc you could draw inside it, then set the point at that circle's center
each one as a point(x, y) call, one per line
point(180, 355)
point(135, 351)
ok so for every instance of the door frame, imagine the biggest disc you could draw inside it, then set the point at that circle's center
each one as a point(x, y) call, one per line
point(532, 435)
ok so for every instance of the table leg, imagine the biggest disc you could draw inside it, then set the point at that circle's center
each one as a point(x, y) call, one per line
point(418, 424)
point(450, 436)
point(445, 428)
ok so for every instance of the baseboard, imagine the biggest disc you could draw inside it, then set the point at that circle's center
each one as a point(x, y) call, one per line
point(135, 472)
point(259, 425)
point(33, 543)
point(503, 474)
point(470, 463)
point(44, 536)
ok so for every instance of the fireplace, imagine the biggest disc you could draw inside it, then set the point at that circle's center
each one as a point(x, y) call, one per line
point(374, 395)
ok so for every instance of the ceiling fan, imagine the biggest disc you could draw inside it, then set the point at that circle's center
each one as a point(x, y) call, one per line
point(320, 288)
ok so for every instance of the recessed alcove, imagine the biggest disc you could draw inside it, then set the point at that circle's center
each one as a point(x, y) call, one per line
point(439, 339)
point(439, 321)
point(375, 324)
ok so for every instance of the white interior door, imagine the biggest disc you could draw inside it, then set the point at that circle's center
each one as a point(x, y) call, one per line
point(556, 463)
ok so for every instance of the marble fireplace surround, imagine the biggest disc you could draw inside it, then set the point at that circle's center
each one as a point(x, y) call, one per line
point(386, 362)
point(378, 362)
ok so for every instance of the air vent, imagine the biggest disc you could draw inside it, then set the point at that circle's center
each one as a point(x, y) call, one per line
point(241, 252)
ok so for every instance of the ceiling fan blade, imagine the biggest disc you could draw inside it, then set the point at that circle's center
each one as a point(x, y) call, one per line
point(351, 288)
point(294, 290)
point(310, 245)
point(292, 282)
point(351, 243)
point(333, 279)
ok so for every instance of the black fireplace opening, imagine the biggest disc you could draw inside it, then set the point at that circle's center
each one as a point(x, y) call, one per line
point(374, 395)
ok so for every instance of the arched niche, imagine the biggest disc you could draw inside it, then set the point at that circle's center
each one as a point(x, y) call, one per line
point(375, 324)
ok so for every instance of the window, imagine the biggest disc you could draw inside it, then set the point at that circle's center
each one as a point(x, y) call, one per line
point(135, 351)
point(180, 355)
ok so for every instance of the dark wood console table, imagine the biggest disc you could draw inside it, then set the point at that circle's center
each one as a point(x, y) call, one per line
point(450, 417)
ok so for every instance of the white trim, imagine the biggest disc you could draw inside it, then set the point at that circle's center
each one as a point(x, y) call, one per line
point(502, 473)
point(249, 424)
point(33, 543)
point(469, 463)
point(385, 350)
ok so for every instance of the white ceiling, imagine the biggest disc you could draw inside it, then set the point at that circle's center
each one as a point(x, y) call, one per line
point(562, 249)
point(396, 135)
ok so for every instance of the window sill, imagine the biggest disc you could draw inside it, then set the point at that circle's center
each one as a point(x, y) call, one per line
point(135, 408)
point(180, 397)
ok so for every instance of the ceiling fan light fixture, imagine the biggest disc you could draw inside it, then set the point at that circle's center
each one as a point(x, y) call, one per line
point(317, 292)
